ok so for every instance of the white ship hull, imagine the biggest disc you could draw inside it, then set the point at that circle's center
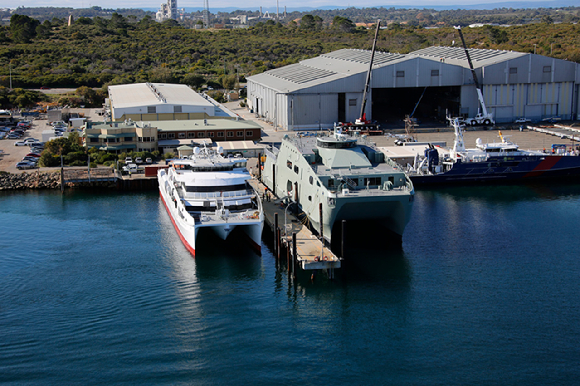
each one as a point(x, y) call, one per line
point(187, 227)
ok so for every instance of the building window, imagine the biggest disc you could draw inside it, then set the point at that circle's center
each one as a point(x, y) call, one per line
point(128, 139)
point(433, 73)
point(230, 133)
point(176, 109)
point(249, 134)
point(181, 135)
point(151, 109)
point(220, 134)
point(211, 134)
point(94, 140)
point(191, 134)
point(200, 134)
point(171, 136)
point(240, 134)
point(513, 70)
point(162, 136)
point(547, 68)
point(400, 74)
point(352, 102)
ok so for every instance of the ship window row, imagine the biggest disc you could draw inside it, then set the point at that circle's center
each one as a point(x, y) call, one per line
point(204, 168)
point(226, 188)
point(336, 145)
point(219, 195)
point(191, 208)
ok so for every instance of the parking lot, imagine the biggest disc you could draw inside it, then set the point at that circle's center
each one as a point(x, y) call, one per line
point(13, 154)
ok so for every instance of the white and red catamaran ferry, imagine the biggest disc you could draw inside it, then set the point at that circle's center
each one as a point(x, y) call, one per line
point(207, 192)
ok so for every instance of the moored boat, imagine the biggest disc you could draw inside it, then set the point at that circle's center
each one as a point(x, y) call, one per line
point(334, 177)
point(207, 192)
point(489, 163)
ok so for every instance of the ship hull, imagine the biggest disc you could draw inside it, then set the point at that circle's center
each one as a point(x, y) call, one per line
point(188, 228)
point(505, 170)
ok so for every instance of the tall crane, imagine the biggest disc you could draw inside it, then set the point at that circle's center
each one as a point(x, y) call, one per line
point(368, 81)
point(484, 117)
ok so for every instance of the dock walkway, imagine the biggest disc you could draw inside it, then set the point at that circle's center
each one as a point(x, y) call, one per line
point(310, 252)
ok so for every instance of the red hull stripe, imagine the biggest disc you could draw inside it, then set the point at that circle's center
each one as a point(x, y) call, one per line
point(183, 240)
point(543, 166)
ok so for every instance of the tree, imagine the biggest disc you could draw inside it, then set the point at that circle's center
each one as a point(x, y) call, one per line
point(343, 24)
point(194, 80)
point(307, 22)
point(228, 81)
point(23, 28)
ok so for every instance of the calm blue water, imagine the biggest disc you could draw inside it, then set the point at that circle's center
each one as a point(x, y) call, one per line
point(98, 289)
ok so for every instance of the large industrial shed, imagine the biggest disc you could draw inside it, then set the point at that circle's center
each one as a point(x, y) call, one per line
point(432, 82)
point(157, 102)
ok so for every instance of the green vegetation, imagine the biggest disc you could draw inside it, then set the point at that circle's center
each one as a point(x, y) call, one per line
point(19, 97)
point(122, 49)
point(74, 154)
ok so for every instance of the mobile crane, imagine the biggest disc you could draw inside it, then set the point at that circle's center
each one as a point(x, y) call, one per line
point(483, 117)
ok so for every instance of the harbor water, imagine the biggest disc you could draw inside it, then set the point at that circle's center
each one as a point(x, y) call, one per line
point(98, 289)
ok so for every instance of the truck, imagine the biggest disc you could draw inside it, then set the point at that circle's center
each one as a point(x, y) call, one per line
point(483, 117)
point(133, 169)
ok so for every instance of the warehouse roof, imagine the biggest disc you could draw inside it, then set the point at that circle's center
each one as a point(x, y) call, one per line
point(456, 55)
point(154, 94)
point(324, 68)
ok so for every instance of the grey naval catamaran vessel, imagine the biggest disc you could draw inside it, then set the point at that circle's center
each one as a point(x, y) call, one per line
point(334, 177)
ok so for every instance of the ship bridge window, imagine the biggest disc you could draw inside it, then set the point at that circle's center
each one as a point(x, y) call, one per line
point(296, 170)
point(311, 180)
point(336, 145)
point(221, 188)
point(289, 164)
point(372, 181)
point(289, 186)
point(203, 168)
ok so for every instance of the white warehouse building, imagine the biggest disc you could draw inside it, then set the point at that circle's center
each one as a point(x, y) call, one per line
point(158, 102)
point(430, 83)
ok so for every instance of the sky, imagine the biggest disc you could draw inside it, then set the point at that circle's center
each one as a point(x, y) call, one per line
point(114, 4)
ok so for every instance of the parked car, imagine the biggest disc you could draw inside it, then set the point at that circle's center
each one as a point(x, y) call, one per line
point(29, 141)
point(13, 136)
point(148, 160)
point(36, 155)
point(2, 135)
point(138, 160)
point(25, 165)
point(522, 120)
point(128, 160)
point(20, 143)
point(34, 160)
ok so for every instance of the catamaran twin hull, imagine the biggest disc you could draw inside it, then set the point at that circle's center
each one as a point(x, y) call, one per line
point(188, 226)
